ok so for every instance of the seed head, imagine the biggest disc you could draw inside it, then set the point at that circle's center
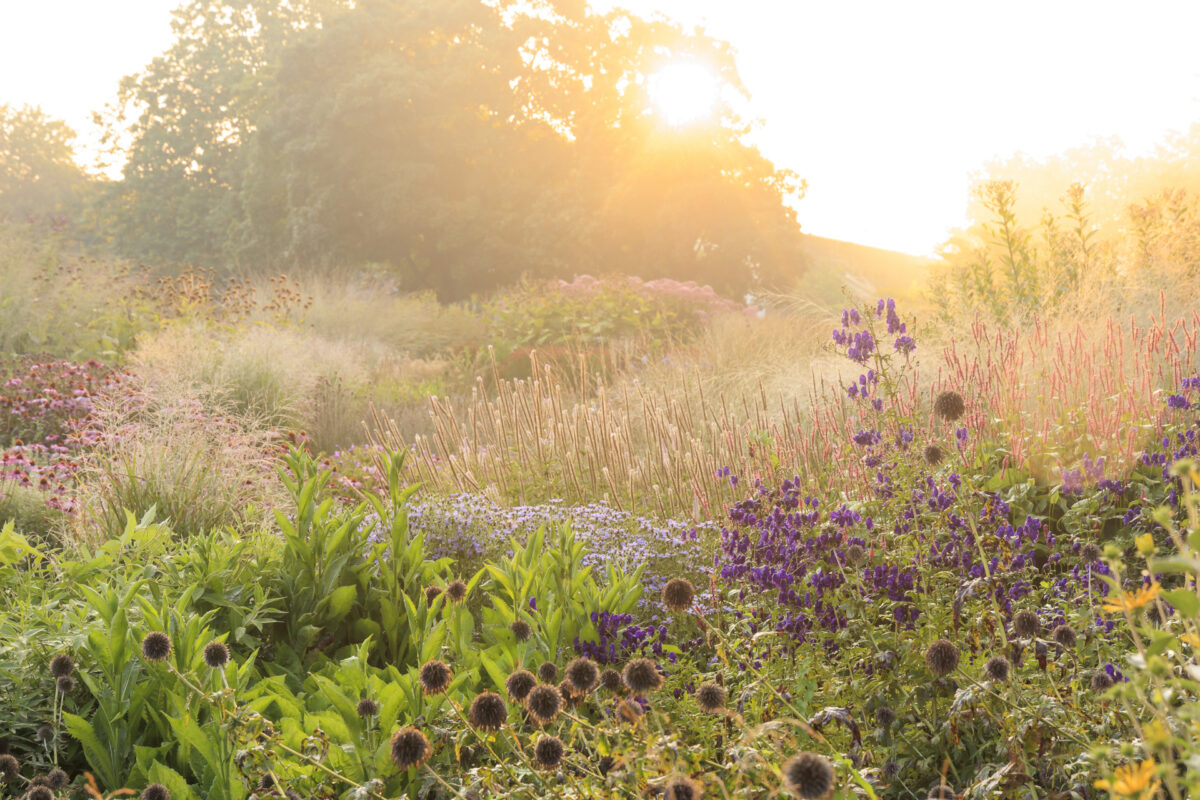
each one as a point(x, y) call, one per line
point(641, 676)
point(548, 672)
point(410, 748)
point(62, 664)
point(155, 791)
point(629, 711)
point(65, 684)
point(855, 555)
point(941, 657)
point(997, 668)
point(520, 629)
point(949, 406)
point(1101, 681)
point(488, 711)
point(683, 788)
point(569, 695)
point(1026, 624)
point(431, 594)
point(884, 716)
point(435, 677)
point(58, 778)
point(583, 674)
point(156, 646)
point(216, 654)
point(1090, 552)
point(1065, 635)
point(543, 703)
point(710, 697)
point(44, 733)
point(942, 792)
point(10, 768)
point(933, 455)
point(367, 708)
point(519, 684)
point(548, 752)
point(39, 793)
point(456, 590)
point(678, 594)
point(611, 679)
point(808, 775)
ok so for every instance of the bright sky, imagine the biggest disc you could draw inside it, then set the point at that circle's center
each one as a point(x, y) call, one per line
point(884, 107)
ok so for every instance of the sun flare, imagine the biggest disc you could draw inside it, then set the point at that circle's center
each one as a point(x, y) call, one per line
point(684, 93)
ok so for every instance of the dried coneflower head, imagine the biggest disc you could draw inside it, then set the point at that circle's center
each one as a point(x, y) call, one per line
point(610, 679)
point(367, 708)
point(65, 684)
point(548, 672)
point(1065, 635)
point(521, 630)
point(548, 752)
point(710, 697)
point(410, 748)
point(941, 657)
point(39, 793)
point(543, 703)
point(997, 668)
point(629, 711)
point(456, 590)
point(1026, 624)
point(678, 594)
point(683, 788)
point(156, 646)
point(1101, 681)
point(808, 775)
point(216, 654)
point(583, 674)
point(942, 792)
point(949, 406)
point(431, 594)
point(10, 768)
point(519, 684)
point(641, 676)
point(61, 665)
point(884, 716)
point(58, 778)
point(434, 677)
point(855, 555)
point(1090, 552)
point(488, 711)
point(933, 455)
point(155, 791)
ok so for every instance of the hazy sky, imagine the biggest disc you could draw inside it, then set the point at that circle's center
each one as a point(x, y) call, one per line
point(884, 107)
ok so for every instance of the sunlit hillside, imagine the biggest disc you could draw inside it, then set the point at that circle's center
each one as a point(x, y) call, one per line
point(450, 400)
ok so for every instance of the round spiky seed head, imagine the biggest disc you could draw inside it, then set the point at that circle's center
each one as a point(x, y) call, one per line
point(1065, 635)
point(156, 646)
point(543, 703)
point(683, 788)
point(62, 664)
point(941, 657)
point(434, 677)
point(611, 679)
point(10, 768)
point(1090, 552)
point(855, 555)
point(65, 684)
point(884, 717)
point(456, 590)
point(710, 697)
point(808, 775)
point(488, 711)
point(155, 791)
point(267, 781)
point(641, 676)
point(1101, 681)
point(678, 594)
point(949, 406)
point(933, 455)
point(1026, 624)
point(997, 668)
point(410, 748)
point(519, 684)
point(629, 711)
point(570, 697)
point(216, 654)
point(58, 778)
point(548, 672)
point(583, 674)
point(520, 629)
point(431, 594)
point(44, 733)
point(942, 792)
point(39, 793)
point(367, 708)
point(548, 752)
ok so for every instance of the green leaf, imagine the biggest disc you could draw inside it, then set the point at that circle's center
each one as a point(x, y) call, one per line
point(1184, 600)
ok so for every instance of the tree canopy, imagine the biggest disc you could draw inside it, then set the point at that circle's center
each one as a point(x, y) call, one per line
point(38, 172)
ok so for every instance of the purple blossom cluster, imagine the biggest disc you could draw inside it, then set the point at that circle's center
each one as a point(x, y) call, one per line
point(619, 638)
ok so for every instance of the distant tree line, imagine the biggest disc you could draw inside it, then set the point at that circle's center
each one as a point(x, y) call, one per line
point(461, 144)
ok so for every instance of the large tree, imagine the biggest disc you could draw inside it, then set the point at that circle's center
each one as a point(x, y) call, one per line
point(38, 172)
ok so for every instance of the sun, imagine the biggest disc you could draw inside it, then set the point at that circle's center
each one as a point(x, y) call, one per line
point(684, 93)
